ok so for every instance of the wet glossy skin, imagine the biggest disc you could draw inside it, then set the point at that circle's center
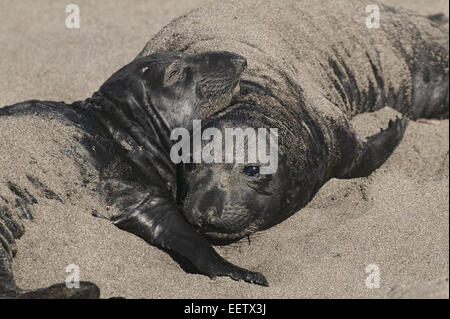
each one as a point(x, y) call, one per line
point(126, 127)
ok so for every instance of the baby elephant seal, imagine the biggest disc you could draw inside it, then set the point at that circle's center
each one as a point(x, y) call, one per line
point(119, 140)
point(312, 66)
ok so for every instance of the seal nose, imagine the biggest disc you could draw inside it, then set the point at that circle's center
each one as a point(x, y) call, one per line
point(240, 63)
point(195, 218)
point(199, 220)
point(212, 214)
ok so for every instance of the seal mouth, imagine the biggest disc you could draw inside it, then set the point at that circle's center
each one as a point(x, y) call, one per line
point(220, 232)
point(231, 90)
point(220, 238)
point(236, 89)
point(235, 93)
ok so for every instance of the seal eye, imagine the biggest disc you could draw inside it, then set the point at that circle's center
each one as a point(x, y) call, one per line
point(252, 171)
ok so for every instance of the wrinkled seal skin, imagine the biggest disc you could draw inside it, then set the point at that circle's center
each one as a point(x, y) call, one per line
point(312, 66)
point(125, 128)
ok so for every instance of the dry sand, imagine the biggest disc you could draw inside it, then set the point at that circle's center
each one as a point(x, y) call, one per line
point(397, 218)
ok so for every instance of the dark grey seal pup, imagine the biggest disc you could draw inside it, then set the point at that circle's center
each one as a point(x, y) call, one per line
point(119, 141)
point(312, 66)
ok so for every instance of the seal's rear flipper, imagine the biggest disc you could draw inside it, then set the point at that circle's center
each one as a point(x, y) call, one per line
point(87, 290)
point(377, 149)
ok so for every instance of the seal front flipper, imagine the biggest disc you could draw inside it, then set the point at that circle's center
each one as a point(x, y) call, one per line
point(372, 153)
point(158, 221)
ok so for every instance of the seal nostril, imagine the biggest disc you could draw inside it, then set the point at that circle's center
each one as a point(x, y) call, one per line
point(212, 214)
point(240, 63)
point(195, 218)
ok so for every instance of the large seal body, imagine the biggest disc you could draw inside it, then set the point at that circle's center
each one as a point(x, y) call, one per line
point(312, 66)
point(115, 144)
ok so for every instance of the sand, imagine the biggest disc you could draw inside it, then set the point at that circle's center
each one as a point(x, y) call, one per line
point(396, 219)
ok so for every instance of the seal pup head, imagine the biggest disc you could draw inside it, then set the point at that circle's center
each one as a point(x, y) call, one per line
point(177, 85)
point(230, 200)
